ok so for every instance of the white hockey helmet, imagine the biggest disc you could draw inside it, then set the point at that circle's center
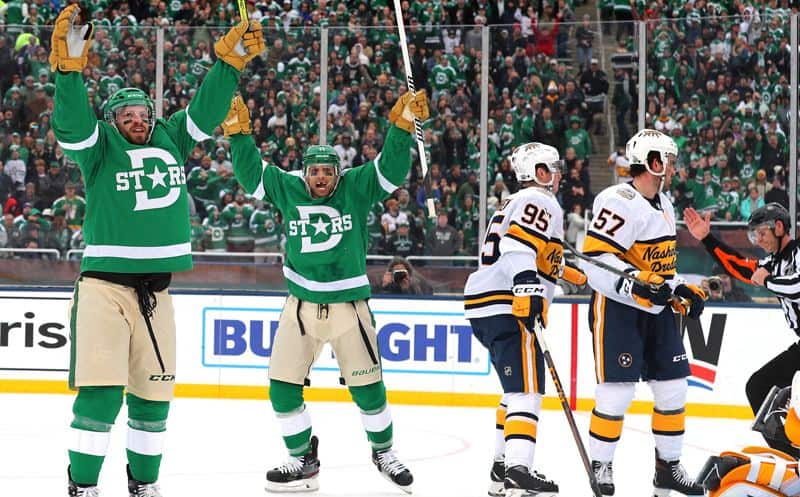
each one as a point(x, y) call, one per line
point(650, 140)
point(526, 157)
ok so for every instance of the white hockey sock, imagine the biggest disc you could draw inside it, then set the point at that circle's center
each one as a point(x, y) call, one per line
point(669, 418)
point(605, 427)
point(500, 423)
point(522, 419)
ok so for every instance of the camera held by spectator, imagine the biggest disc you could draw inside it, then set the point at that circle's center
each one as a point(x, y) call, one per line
point(715, 291)
point(400, 278)
point(721, 288)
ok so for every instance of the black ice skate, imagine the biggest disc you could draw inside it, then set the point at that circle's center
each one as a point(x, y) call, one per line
point(496, 477)
point(392, 469)
point(75, 490)
point(670, 475)
point(138, 488)
point(605, 476)
point(297, 474)
point(520, 482)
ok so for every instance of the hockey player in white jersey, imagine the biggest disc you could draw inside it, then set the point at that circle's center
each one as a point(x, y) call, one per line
point(634, 328)
point(520, 262)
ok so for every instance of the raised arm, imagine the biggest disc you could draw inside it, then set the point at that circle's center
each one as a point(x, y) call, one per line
point(212, 101)
point(74, 123)
point(733, 262)
point(389, 169)
point(247, 164)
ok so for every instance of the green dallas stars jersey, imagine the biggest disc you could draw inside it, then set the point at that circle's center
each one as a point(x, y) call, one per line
point(266, 230)
point(326, 238)
point(137, 219)
point(74, 209)
point(238, 219)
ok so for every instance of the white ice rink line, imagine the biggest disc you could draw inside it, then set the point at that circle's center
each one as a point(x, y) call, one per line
point(219, 448)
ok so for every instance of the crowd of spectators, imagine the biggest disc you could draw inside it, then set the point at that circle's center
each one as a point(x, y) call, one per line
point(544, 83)
point(718, 83)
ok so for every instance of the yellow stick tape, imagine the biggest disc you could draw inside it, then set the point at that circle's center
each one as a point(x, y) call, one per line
point(203, 391)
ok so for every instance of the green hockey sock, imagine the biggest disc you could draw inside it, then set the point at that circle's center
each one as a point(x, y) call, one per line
point(293, 417)
point(95, 409)
point(147, 425)
point(375, 414)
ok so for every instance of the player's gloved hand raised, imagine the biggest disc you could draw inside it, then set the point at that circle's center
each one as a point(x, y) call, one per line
point(240, 44)
point(407, 108)
point(650, 290)
point(692, 300)
point(70, 43)
point(238, 119)
point(529, 303)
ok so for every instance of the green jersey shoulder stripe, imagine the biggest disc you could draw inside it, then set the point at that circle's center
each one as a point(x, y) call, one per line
point(325, 286)
point(133, 252)
point(83, 144)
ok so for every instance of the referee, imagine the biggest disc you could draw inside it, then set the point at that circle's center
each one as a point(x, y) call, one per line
point(779, 273)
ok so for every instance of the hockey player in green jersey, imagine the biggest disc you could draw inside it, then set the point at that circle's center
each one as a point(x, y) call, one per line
point(325, 216)
point(136, 231)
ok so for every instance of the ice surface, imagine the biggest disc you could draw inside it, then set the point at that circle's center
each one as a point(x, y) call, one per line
point(223, 448)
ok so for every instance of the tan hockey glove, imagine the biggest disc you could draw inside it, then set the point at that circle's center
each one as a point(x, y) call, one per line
point(529, 304)
point(70, 43)
point(407, 108)
point(689, 301)
point(651, 291)
point(238, 119)
point(240, 45)
point(573, 275)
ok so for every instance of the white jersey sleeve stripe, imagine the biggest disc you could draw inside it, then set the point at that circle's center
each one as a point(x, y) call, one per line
point(260, 192)
point(387, 185)
point(84, 144)
point(194, 131)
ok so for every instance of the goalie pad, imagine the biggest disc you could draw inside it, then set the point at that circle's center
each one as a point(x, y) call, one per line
point(754, 472)
point(792, 426)
point(772, 415)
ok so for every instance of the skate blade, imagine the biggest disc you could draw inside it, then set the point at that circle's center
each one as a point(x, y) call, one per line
point(497, 489)
point(661, 492)
point(521, 492)
point(307, 485)
point(406, 489)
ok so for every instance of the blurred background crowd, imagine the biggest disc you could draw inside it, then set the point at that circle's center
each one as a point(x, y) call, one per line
point(717, 82)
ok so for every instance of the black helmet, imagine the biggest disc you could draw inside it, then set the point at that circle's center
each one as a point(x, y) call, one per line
point(767, 214)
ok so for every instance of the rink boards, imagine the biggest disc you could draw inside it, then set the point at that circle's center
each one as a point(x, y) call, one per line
point(428, 353)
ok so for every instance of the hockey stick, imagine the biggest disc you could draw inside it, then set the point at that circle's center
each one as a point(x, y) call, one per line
point(677, 302)
point(243, 12)
point(423, 159)
point(537, 329)
point(608, 267)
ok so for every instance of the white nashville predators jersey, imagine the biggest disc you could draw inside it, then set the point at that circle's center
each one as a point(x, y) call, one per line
point(525, 233)
point(630, 232)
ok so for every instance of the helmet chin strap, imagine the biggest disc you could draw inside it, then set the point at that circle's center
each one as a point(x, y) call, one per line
point(546, 186)
point(661, 175)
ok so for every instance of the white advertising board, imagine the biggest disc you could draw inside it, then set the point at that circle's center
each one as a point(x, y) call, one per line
point(425, 345)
